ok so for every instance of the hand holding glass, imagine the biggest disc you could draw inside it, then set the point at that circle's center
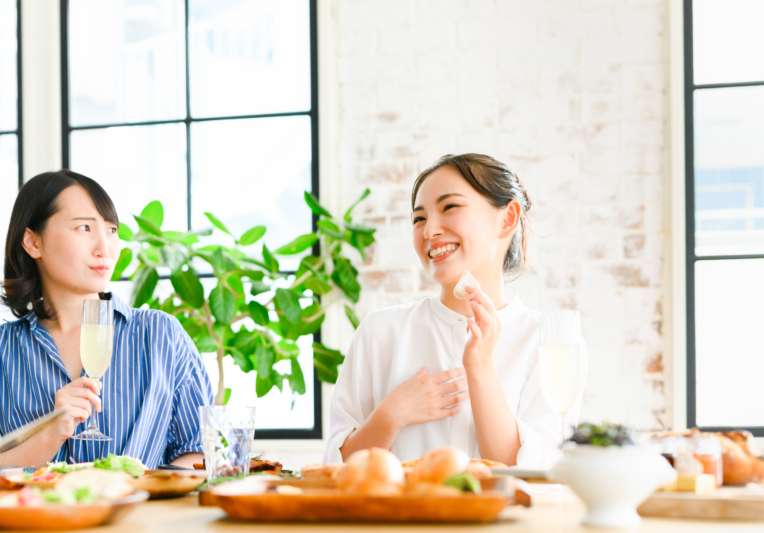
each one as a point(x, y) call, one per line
point(96, 345)
point(560, 361)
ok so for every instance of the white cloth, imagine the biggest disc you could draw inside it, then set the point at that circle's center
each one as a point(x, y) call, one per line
point(393, 344)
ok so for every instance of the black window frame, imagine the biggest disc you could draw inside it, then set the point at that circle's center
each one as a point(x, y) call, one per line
point(66, 129)
point(690, 257)
point(18, 132)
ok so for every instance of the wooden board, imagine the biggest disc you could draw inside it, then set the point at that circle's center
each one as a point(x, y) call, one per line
point(727, 503)
point(325, 505)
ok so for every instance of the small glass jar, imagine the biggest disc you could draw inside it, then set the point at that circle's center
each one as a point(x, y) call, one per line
point(708, 450)
point(672, 447)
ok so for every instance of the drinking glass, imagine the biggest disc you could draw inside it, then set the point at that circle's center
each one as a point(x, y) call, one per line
point(96, 345)
point(227, 436)
point(560, 361)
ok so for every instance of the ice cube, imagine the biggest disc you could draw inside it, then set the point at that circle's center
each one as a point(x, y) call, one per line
point(460, 291)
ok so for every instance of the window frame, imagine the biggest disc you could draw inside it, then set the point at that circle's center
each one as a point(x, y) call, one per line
point(66, 129)
point(690, 257)
point(18, 132)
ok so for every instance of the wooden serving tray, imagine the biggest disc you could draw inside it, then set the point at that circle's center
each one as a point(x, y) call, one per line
point(727, 503)
point(328, 505)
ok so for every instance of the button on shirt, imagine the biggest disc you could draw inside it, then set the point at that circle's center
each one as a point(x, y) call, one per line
point(393, 344)
point(151, 392)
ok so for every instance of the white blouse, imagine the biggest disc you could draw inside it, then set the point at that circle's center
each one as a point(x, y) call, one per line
point(393, 344)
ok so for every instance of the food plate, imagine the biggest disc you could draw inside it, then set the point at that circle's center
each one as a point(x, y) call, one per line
point(254, 502)
point(532, 476)
point(163, 484)
point(58, 517)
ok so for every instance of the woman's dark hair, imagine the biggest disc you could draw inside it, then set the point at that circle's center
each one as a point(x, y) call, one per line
point(500, 186)
point(35, 204)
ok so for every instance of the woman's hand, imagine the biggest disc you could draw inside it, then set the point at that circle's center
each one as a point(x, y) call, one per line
point(75, 399)
point(485, 328)
point(424, 398)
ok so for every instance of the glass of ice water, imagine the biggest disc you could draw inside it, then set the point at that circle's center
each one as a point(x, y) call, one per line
point(227, 435)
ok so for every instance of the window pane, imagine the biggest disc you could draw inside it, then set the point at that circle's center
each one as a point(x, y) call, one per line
point(137, 164)
point(729, 345)
point(729, 171)
point(8, 65)
point(728, 41)
point(249, 56)
point(9, 186)
point(126, 61)
point(253, 171)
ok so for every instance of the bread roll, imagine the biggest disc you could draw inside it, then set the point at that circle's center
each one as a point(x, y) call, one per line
point(372, 471)
point(479, 470)
point(438, 465)
point(320, 470)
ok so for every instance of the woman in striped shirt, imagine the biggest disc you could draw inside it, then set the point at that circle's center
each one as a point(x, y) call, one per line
point(61, 249)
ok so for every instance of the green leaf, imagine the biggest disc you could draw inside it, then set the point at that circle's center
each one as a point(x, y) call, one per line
point(125, 233)
point(217, 223)
point(270, 262)
point(147, 225)
point(241, 360)
point(265, 357)
point(357, 228)
point(296, 378)
point(206, 345)
point(344, 276)
point(234, 281)
point(258, 287)
point(348, 216)
point(253, 275)
point(289, 349)
point(258, 313)
point(125, 258)
point(289, 302)
point(300, 244)
point(326, 362)
point(227, 396)
point(263, 385)
point(189, 239)
point(317, 286)
point(188, 287)
point(315, 206)
point(144, 282)
point(173, 257)
point(330, 228)
point(154, 212)
point(222, 304)
point(252, 235)
point(352, 316)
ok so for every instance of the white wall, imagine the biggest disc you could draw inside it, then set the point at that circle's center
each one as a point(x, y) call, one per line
point(573, 96)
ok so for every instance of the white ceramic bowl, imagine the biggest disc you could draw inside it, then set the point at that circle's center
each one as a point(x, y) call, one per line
point(613, 481)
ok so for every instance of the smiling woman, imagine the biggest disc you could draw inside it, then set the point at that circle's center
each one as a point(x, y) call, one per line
point(449, 370)
point(61, 249)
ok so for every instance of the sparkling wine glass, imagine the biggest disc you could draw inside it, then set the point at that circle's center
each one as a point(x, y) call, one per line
point(96, 345)
point(560, 362)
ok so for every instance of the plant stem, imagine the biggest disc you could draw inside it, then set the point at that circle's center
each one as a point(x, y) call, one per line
point(220, 396)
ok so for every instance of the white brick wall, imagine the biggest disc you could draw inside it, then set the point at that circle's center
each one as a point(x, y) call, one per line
point(570, 94)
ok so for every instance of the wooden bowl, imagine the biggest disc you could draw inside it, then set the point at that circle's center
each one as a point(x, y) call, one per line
point(163, 484)
point(58, 517)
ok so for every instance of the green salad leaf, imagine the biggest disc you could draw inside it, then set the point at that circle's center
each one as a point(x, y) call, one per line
point(121, 463)
point(465, 482)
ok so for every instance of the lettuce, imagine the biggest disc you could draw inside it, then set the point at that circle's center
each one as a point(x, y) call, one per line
point(121, 463)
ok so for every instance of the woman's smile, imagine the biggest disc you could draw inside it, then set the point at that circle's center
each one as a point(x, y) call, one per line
point(441, 251)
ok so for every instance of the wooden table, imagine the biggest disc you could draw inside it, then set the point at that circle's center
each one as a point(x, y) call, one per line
point(550, 513)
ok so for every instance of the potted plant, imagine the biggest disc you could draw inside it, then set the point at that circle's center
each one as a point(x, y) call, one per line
point(611, 472)
point(249, 285)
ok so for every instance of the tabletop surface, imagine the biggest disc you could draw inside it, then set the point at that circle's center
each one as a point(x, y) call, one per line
point(550, 513)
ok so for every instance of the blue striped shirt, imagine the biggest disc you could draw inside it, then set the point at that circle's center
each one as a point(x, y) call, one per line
point(151, 392)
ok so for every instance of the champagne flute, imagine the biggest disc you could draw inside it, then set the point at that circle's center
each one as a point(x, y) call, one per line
point(96, 345)
point(560, 362)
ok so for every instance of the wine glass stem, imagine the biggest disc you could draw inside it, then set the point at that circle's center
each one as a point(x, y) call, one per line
point(562, 428)
point(92, 426)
